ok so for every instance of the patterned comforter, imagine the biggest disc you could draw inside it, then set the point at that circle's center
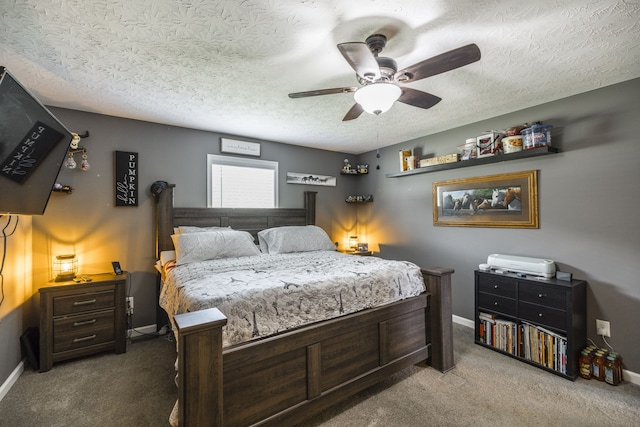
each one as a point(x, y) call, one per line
point(266, 294)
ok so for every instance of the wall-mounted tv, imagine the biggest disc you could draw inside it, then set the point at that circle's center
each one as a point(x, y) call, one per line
point(33, 146)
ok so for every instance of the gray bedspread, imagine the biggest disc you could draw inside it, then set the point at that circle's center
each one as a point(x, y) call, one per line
point(266, 294)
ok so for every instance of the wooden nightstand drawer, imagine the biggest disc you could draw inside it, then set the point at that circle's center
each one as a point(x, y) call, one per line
point(497, 303)
point(80, 303)
point(542, 315)
point(82, 323)
point(497, 286)
point(544, 295)
point(76, 340)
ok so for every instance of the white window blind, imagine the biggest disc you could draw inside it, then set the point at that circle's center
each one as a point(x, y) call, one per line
point(234, 182)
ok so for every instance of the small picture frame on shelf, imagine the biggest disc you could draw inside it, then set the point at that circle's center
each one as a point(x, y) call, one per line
point(363, 247)
point(488, 144)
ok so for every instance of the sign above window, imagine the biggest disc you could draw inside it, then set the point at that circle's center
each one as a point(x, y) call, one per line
point(239, 147)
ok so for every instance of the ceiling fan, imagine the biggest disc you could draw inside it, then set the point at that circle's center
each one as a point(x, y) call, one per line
point(381, 81)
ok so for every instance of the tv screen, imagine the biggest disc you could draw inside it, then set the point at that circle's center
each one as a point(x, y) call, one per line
point(33, 147)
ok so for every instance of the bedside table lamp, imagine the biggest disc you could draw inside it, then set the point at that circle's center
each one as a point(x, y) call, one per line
point(65, 267)
point(353, 243)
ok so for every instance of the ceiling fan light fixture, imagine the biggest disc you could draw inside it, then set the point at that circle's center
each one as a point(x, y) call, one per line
point(376, 98)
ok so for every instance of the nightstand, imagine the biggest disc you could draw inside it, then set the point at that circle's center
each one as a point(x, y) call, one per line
point(78, 319)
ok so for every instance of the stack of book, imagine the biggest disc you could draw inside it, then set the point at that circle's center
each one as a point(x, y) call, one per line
point(524, 340)
point(499, 333)
point(544, 347)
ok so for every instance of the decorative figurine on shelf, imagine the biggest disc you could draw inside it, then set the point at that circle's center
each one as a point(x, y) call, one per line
point(62, 188)
point(363, 169)
point(347, 166)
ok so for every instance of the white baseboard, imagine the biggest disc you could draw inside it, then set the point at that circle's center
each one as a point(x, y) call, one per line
point(629, 376)
point(11, 380)
point(462, 321)
point(632, 377)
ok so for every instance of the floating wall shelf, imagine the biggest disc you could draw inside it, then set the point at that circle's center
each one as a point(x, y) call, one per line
point(477, 162)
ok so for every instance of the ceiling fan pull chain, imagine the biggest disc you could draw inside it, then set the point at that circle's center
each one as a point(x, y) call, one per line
point(377, 147)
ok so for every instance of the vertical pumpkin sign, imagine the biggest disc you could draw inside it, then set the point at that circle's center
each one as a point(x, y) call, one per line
point(126, 178)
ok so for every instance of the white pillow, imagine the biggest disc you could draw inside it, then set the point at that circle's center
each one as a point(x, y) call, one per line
point(192, 229)
point(166, 256)
point(192, 247)
point(302, 238)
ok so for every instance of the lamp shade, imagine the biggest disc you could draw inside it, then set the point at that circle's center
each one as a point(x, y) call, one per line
point(376, 98)
point(65, 267)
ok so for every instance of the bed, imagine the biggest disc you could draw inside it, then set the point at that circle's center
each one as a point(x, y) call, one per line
point(286, 377)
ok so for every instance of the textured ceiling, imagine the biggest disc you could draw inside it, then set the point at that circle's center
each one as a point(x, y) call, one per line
point(227, 66)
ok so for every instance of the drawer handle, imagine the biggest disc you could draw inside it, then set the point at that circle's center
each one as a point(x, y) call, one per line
point(86, 322)
point(495, 286)
point(542, 295)
point(90, 337)
point(89, 301)
point(539, 314)
point(495, 303)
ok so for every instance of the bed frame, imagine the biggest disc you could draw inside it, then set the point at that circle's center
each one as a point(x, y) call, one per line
point(284, 379)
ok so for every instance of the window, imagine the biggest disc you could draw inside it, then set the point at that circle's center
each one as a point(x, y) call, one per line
point(234, 182)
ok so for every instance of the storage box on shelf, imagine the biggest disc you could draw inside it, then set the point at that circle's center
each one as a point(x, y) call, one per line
point(539, 321)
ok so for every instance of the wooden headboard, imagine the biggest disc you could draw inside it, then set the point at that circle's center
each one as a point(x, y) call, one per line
point(248, 219)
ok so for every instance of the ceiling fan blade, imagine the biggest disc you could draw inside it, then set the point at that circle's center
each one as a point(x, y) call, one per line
point(447, 61)
point(323, 92)
point(361, 60)
point(418, 98)
point(353, 113)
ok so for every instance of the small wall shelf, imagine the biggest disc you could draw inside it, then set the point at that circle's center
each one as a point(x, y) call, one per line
point(477, 162)
point(361, 198)
point(354, 174)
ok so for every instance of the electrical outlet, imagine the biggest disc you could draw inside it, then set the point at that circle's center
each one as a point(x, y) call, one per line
point(603, 328)
point(129, 306)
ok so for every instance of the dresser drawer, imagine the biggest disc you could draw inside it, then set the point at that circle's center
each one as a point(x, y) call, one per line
point(543, 295)
point(83, 323)
point(497, 286)
point(80, 303)
point(497, 303)
point(81, 339)
point(542, 315)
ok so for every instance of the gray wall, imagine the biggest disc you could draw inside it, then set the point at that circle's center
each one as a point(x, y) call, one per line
point(589, 201)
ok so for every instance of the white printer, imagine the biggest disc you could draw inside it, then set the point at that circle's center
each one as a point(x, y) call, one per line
point(518, 264)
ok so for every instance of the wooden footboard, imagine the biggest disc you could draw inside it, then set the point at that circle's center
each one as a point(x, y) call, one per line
point(284, 379)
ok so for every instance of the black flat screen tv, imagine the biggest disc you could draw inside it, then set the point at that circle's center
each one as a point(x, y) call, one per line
point(33, 147)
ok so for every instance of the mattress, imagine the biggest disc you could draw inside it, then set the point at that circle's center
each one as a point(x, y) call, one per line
point(266, 294)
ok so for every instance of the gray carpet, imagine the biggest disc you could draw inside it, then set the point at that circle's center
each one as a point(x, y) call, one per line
point(485, 389)
point(131, 389)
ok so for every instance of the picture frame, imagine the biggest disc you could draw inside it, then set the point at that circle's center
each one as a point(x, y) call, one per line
point(235, 146)
point(310, 179)
point(487, 144)
point(508, 200)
